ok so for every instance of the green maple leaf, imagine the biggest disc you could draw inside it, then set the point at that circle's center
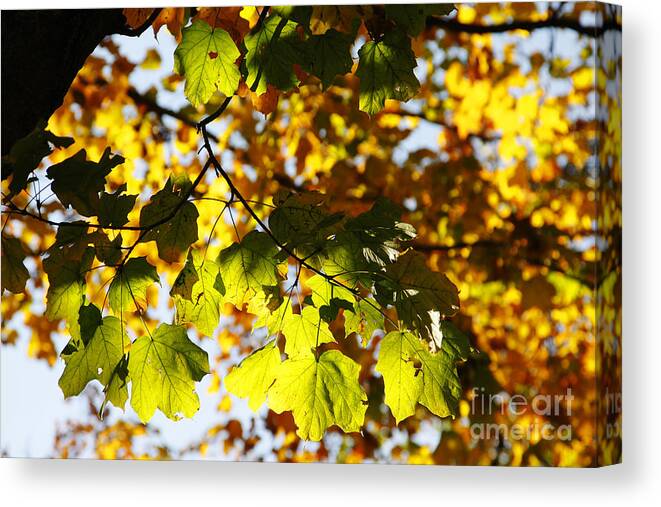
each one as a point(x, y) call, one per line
point(329, 297)
point(128, 289)
point(116, 390)
point(14, 272)
point(412, 374)
point(329, 56)
point(385, 70)
point(97, 359)
point(380, 232)
point(27, 153)
point(341, 256)
point(401, 369)
point(82, 329)
point(174, 236)
point(422, 297)
point(363, 319)
point(72, 239)
point(254, 375)
point(78, 181)
point(412, 18)
point(66, 278)
point(319, 393)
point(299, 13)
point(107, 251)
point(114, 208)
point(249, 266)
point(305, 331)
point(272, 310)
point(206, 56)
point(164, 367)
point(265, 306)
point(272, 52)
point(197, 293)
point(302, 221)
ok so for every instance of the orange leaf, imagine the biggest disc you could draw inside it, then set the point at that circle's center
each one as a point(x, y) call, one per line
point(136, 17)
point(267, 101)
point(173, 18)
point(227, 18)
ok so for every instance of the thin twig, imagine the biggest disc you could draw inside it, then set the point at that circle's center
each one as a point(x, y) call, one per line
point(475, 28)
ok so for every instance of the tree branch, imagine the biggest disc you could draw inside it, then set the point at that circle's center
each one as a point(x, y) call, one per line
point(486, 243)
point(453, 25)
point(153, 106)
point(137, 32)
point(171, 215)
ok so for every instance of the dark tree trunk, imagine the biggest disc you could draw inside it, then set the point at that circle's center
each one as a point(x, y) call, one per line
point(42, 51)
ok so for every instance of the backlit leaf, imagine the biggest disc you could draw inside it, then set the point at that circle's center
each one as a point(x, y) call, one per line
point(319, 393)
point(380, 232)
point(385, 70)
point(272, 52)
point(164, 367)
point(206, 57)
point(422, 297)
point(305, 332)
point(401, 367)
point(114, 208)
point(97, 359)
point(128, 289)
point(197, 293)
point(173, 234)
point(26, 154)
point(412, 18)
point(66, 279)
point(365, 319)
point(78, 181)
point(248, 266)
point(254, 375)
point(329, 56)
point(14, 272)
point(413, 374)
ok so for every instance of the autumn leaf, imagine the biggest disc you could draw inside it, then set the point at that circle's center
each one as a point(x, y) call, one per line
point(135, 18)
point(320, 393)
point(272, 52)
point(385, 69)
point(164, 367)
point(249, 266)
point(176, 219)
point(128, 289)
point(423, 298)
point(198, 292)
point(329, 56)
point(412, 18)
point(254, 375)
point(114, 208)
point(173, 18)
point(26, 154)
point(227, 18)
point(77, 181)
point(206, 57)
point(305, 332)
point(66, 279)
point(14, 272)
point(97, 360)
point(413, 374)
